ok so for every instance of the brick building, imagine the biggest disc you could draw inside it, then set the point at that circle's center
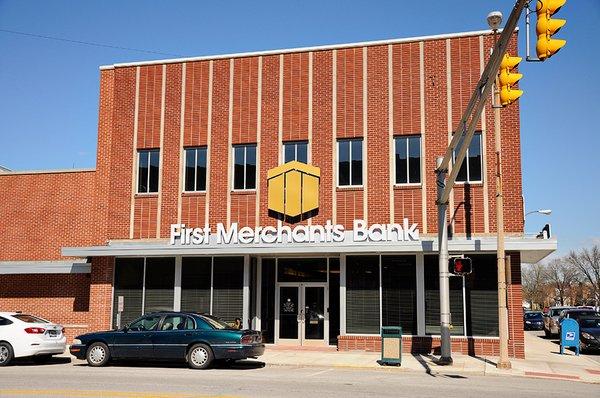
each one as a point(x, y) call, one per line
point(188, 143)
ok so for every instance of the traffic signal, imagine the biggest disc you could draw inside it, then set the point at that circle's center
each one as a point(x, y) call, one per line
point(508, 79)
point(546, 27)
point(460, 265)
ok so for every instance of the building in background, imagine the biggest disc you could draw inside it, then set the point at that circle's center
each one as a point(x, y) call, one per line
point(201, 143)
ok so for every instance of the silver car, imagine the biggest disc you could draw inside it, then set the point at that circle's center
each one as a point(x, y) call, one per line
point(551, 322)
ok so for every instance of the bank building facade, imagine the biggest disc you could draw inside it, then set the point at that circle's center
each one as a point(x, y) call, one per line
point(292, 189)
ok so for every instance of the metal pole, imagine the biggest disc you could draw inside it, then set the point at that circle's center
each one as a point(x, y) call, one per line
point(503, 361)
point(445, 317)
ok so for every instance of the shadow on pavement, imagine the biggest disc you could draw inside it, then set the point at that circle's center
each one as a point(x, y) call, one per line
point(423, 363)
point(34, 362)
point(218, 364)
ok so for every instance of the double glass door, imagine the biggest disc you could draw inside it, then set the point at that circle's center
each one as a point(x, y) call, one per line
point(302, 314)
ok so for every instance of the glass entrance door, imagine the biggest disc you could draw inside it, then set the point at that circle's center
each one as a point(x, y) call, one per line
point(302, 315)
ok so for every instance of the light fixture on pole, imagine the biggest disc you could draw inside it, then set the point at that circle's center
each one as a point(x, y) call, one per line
point(545, 212)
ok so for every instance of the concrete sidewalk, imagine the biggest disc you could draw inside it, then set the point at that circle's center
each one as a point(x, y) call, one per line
point(543, 360)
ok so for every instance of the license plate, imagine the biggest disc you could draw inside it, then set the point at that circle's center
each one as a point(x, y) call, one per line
point(52, 333)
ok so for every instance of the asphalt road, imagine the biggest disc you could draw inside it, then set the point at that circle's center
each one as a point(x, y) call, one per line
point(252, 379)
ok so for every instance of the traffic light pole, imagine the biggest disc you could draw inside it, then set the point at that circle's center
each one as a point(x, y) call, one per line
point(466, 129)
point(503, 361)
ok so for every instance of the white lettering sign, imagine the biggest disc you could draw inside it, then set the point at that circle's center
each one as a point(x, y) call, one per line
point(361, 232)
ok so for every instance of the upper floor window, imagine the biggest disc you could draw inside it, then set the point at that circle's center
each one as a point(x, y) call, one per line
point(244, 169)
point(408, 159)
point(148, 161)
point(470, 170)
point(350, 164)
point(297, 150)
point(195, 169)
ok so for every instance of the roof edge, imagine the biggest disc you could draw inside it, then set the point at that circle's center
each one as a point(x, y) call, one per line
point(304, 49)
point(50, 171)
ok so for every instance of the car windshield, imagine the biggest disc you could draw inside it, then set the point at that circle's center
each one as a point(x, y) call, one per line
point(29, 318)
point(556, 311)
point(533, 315)
point(589, 323)
point(215, 322)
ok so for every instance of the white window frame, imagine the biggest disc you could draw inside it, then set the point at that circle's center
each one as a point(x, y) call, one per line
point(245, 146)
point(295, 143)
point(137, 174)
point(408, 183)
point(185, 153)
point(466, 159)
point(362, 152)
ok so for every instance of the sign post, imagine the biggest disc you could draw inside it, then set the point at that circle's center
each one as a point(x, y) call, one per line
point(120, 308)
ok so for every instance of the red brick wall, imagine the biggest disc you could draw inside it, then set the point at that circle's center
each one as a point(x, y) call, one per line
point(40, 213)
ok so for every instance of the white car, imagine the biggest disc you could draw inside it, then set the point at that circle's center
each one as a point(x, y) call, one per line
point(23, 335)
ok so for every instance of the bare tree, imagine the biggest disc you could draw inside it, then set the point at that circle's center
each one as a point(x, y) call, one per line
point(534, 280)
point(561, 274)
point(588, 263)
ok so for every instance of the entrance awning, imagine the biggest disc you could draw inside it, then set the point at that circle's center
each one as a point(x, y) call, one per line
point(75, 266)
point(532, 249)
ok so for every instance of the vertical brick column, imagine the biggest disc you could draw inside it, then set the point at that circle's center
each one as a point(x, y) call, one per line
point(101, 283)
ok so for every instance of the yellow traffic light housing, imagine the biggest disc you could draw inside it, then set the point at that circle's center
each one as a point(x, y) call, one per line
point(546, 27)
point(508, 79)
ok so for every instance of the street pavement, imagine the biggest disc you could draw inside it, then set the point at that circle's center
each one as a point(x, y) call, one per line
point(253, 379)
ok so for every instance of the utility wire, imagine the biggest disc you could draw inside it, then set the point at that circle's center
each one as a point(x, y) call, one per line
point(87, 43)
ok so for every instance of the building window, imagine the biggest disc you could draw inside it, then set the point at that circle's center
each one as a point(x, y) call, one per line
point(362, 294)
point(481, 296)
point(228, 294)
point(244, 171)
point(195, 284)
point(470, 170)
point(399, 293)
point(129, 284)
point(159, 288)
point(432, 299)
point(195, 169)
point(295, 151)
point(350, 162)
point(408, 160)
point(148, 161)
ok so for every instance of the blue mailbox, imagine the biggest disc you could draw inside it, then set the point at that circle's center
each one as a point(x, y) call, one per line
point(569, 335)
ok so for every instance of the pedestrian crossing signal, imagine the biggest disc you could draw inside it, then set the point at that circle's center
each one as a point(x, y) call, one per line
point(460, 266)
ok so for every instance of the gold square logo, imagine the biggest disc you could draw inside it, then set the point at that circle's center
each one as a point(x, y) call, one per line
point(293, 191)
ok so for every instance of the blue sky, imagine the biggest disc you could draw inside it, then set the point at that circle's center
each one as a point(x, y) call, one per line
point(49, 89)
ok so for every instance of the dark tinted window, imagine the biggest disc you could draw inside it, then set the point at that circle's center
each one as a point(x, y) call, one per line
point(295, 151)
point(267, 301)
point(148, 173)
point(471, 168)
point(482, 296)
point(399, 295)
point(350, 162)
point(29, 318)
point(195, 284)
point(195, 169)
point(129, 277)
point(4, 321)
point(160, 284)
point(244, 172)
point(533, 315)
point(302, 270)
point(362, 294)
point(408, 159)
point(432, 299)
point(228, 275)
point(334, 300)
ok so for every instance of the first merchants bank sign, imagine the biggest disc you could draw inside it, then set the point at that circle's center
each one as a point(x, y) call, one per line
point(293, 195)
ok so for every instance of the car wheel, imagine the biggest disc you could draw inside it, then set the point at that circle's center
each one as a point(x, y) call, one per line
point(200, 356)
point(97, 354)
point(6, 353)
point(41, 358)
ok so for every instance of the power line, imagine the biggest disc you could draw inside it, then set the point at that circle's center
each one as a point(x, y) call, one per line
point(87, 43)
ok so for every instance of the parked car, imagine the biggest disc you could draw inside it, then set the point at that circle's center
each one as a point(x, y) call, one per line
point(195, 338)
point(589, 333)
point(551, 325)
point(576, 313)
point(23, 335)
point(533, 320)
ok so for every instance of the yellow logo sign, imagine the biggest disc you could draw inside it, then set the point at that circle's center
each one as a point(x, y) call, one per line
point(293, 191)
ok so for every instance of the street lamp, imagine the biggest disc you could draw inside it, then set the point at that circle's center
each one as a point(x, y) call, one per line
point(545, 212)
point(494, 20)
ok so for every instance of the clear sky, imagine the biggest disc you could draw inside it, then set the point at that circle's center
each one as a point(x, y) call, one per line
point(49, 89)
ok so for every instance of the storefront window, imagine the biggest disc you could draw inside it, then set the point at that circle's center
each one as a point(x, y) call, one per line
point(228, 279)
point(195, 284)
point(432, 299)
point(302, 270)
point(267, 300)
point(362, 294)
point(482, 296)
point(160, 284)
point(334, 300)
point(129, 278)
point(399, 294)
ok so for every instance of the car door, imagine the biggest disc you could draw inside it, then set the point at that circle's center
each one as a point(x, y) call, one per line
point(172, 337)
point(135, 341)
